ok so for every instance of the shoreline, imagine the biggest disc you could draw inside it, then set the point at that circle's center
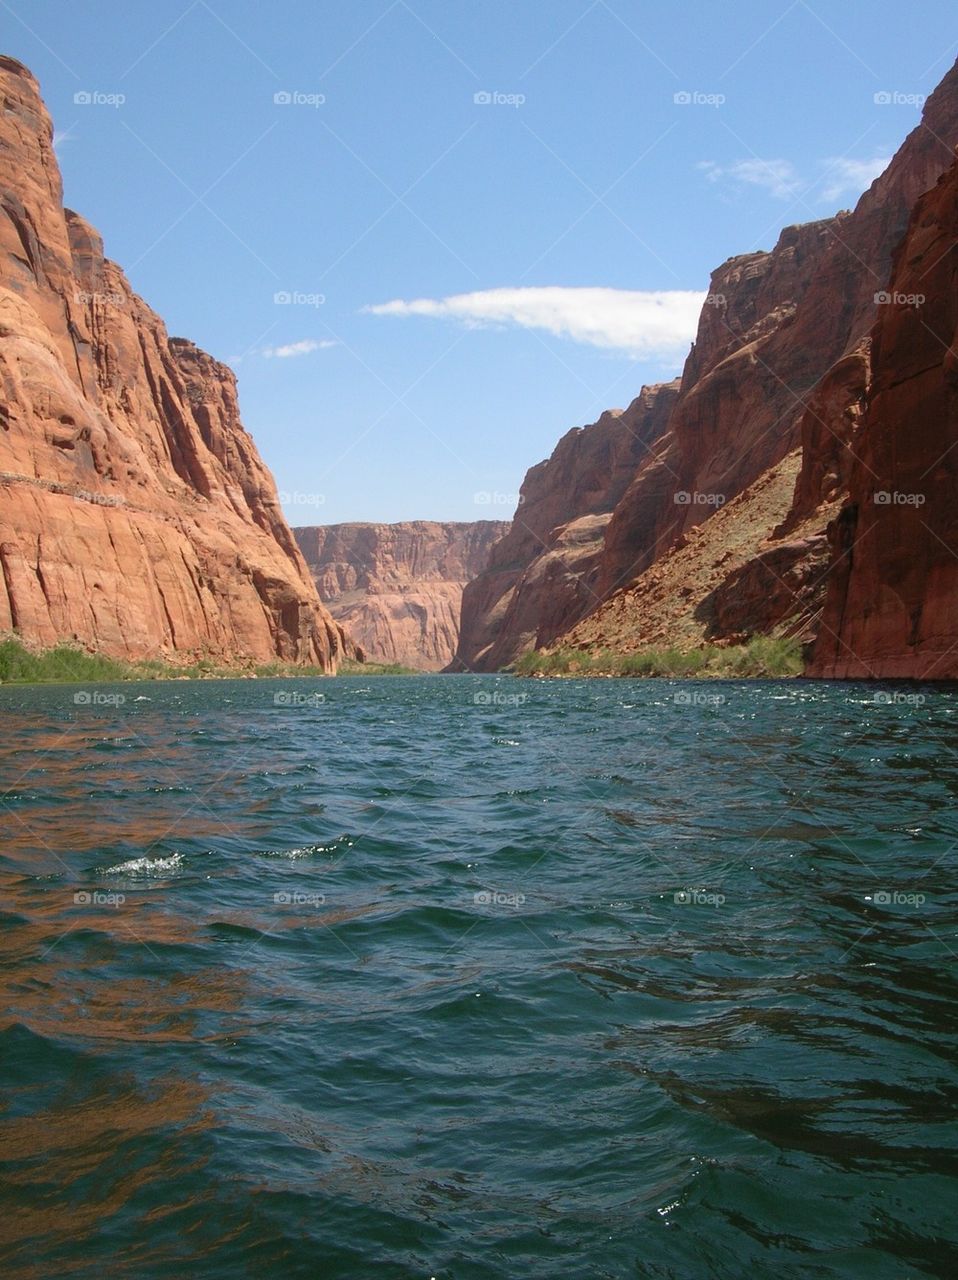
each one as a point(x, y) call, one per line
point(70, 664)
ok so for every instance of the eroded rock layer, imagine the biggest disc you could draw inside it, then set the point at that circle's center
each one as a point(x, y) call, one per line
point(541, 578)
point(398, 588)
point(892, 604)
point(137, 517)
point(719, 533)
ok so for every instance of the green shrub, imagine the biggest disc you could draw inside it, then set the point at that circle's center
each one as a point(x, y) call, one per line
point(63, 663)
point(350, 668)
point(69, 664)
point(762, 656)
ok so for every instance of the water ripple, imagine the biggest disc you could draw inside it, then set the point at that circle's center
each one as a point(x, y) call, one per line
point(420, 983)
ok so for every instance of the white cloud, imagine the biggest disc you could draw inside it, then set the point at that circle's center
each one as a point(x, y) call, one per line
point(62, 136)
point(645, 324)
point(302, 348)
point(844, 175)
point(782, 181)
point(777, 177)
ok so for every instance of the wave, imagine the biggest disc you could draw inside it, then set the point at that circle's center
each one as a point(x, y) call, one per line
point(147, 866)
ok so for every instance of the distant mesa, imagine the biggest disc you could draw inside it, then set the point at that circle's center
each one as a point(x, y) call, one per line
point(397, 588)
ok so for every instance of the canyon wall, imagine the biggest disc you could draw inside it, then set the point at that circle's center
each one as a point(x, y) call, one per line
point(892, 603)
point(540, 577)
point(721, 531)
point(398, 588)
point(138, 518)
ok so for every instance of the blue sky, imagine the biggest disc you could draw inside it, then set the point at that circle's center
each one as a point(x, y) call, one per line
point(433, 186)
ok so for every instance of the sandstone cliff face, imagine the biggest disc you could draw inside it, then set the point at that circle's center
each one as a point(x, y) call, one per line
point(398, 588)
point(774, 326)
point(138, 518)
point(540, 578)
point(782, 364)
point(737, 409)
point(892, 604)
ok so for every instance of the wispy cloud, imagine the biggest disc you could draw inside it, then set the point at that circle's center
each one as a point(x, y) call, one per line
point(840, 176)
point(778, 177)
point(644, 324)
point(291, 349)
point(853, 176)
point(62, 136)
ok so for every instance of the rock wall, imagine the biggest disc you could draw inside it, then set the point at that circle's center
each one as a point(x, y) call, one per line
point(892, 603)
point(775, 386)
point(398, 587)
point(137, 517)
point(540, 578)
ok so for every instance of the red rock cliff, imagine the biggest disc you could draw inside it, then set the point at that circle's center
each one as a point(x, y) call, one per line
point(138, 518)
point(398, 587)
point(738, 404)
point(540, 578)
point(773, 391)
point(892, 604)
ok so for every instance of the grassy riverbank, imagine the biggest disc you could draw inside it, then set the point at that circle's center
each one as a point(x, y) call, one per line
point(763, 656)
point(66, 664)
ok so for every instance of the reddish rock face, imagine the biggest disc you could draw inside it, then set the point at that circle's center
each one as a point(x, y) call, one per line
point(138, 518)
point(737, 408)
point(398, 588)
point(772, 328)
point(892, 604)
point(540, 578)
point(781, 360)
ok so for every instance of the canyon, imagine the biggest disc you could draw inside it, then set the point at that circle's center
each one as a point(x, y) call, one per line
point(138, 517)
point(797, 479)
point(397, 588)
point(727, 526)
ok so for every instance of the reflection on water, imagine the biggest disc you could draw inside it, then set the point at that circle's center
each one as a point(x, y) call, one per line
point(402, 984)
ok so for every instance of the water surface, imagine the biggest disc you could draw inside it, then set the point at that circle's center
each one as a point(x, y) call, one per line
point(472, 977)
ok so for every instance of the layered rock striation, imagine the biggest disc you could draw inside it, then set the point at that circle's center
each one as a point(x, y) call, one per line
point(720, 532)
point(541, 577)
point(892, 603)
point(137, 517)
point(398, 587)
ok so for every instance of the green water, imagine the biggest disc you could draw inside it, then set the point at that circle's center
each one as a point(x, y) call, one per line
point(473, 977)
